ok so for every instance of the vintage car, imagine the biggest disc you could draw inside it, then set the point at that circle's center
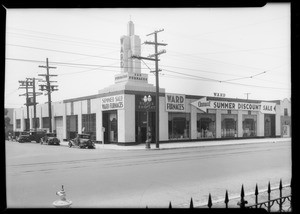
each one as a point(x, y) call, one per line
point(36, 135)
point(50, 139)
point(24, 138)
point(82, 141)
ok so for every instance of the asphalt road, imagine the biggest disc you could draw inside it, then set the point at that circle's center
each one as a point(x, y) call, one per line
point(116, 178)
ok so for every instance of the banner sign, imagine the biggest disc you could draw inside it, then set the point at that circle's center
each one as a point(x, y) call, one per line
point(112, 102)
point(175, 102)
point(264, 107)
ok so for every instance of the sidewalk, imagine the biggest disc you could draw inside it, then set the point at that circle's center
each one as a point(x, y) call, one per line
point(177, 145)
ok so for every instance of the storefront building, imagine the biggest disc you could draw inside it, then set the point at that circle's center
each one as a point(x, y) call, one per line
point(119, 113)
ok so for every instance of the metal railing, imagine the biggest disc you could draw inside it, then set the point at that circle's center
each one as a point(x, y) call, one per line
point(268, 204)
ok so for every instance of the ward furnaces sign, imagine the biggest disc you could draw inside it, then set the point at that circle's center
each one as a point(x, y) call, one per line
point(175, 102)
point(112, 102)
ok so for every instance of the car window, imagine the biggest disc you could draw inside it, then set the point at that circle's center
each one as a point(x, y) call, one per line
point(84, 136)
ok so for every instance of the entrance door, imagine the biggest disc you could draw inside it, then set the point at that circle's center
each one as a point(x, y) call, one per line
point(269, 125)
point(141, 126)
point(110, 123)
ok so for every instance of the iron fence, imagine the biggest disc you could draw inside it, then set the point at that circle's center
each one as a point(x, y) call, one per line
point(284, 202)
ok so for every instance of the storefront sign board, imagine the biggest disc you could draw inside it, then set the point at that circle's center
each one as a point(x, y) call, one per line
point(112, 102)
point(141, 105)
point(268, 108)
point(264, 107)
point(175, 103)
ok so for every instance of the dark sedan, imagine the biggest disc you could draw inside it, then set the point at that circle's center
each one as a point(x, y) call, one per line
point(24, 138)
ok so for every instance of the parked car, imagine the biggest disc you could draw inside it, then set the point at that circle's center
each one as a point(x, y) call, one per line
point(50, 139)
point(82, 141)
point(36, 135)
point(24, 138)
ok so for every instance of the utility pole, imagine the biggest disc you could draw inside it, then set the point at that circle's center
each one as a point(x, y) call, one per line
point(34, 100)
point(30, 83)
point(155, 55)
point(247, 95)
point(24, 85)
point(49, 88)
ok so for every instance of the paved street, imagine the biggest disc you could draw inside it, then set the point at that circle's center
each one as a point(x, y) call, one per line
point(136, 178)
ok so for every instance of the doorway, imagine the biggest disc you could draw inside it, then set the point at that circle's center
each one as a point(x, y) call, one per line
point(110, 123)
point(141, 126)
point(269, 125)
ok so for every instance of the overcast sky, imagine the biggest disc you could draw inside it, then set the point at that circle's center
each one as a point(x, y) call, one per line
point(226, 50)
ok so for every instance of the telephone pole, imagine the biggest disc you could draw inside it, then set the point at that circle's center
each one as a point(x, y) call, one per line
point(24, 84)
point(30, 101)
point(155, 55)
point(247, 95)
point(49, 88)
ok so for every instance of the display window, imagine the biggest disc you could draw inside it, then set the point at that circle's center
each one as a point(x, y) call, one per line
point(179, 126)
point(249, 125)
point(89, 124)
point(72, 126)
point(229, 125)
point(206, 126)
point(46, 122)
point(27, 124)
point(35, 122)
point(18, 123)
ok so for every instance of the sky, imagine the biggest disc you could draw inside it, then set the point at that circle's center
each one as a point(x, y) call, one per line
point(236, 51)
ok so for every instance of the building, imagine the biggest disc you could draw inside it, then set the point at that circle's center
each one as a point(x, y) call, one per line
point(119, 114)
point(286, 123)
point(8, 119)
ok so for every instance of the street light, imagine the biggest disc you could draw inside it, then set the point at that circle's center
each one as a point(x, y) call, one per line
point(147, 101)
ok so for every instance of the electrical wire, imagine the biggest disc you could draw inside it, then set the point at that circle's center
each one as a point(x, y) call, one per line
point(184, 74)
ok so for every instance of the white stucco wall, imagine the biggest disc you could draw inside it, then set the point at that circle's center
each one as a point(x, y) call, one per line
point(126, 120)
point(278, 121)
point(163, 120)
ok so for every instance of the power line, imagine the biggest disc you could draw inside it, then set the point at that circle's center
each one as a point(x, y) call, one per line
point(78, 65)
point(200, 70)
point(171, 71)
point(67, 52)
point(52, 34)
point(245, 77)
point(192, 77)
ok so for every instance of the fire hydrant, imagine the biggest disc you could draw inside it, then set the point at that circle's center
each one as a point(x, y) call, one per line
point(63, 202)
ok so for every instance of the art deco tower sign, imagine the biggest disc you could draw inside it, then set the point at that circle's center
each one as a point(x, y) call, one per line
point(130, 68)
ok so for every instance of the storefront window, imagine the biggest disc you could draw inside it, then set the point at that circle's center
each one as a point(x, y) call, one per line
point(229, 125)
point(27, 125)
point(72, 124)
point(89, 124)
point(179, 126)
point(35, 122)
point(206, 126)
point(46, 122)
point(18, 123)
point(249, 125)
